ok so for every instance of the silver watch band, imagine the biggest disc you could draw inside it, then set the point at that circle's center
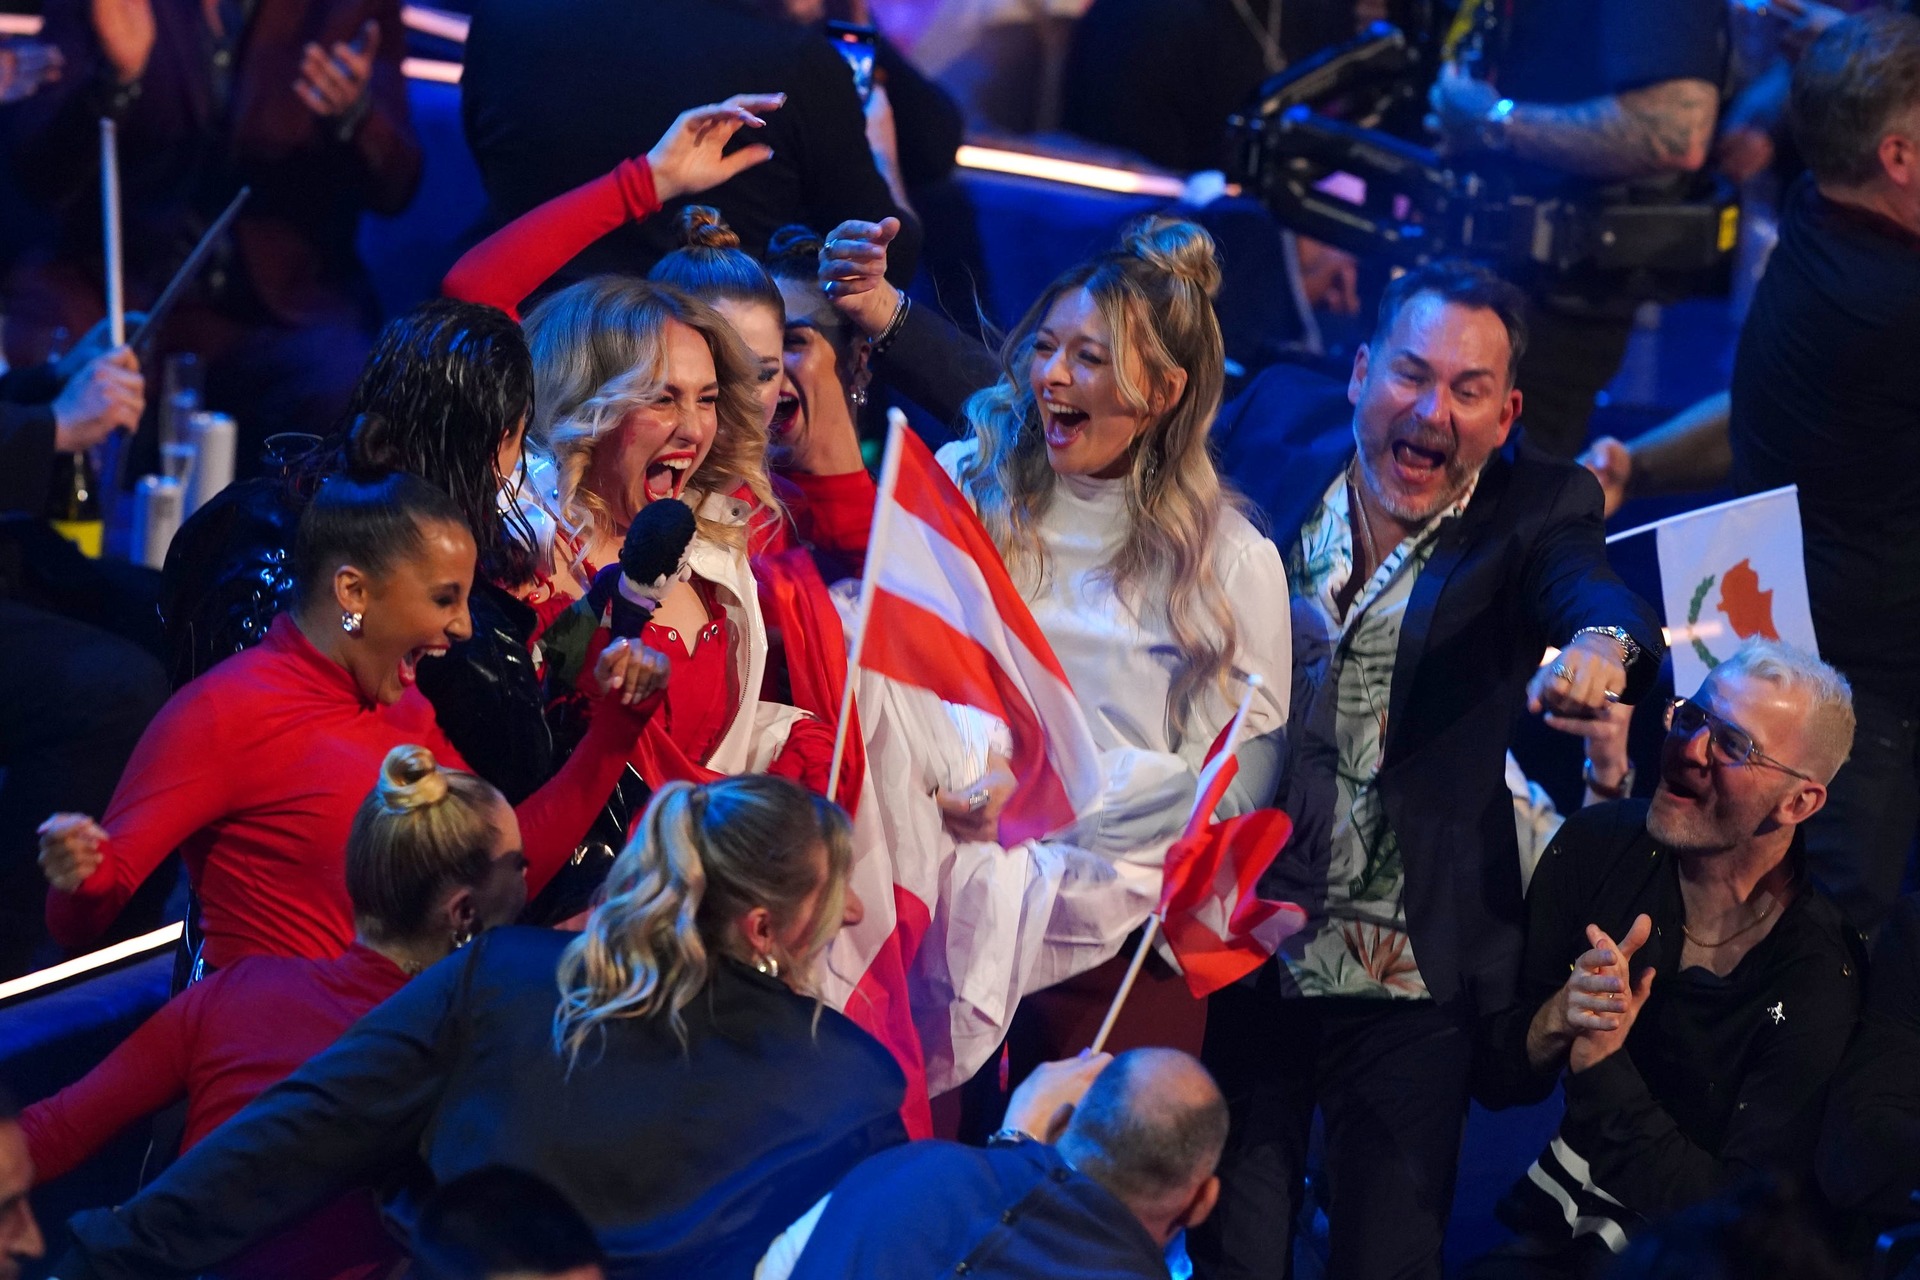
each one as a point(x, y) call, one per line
point(1629, 647)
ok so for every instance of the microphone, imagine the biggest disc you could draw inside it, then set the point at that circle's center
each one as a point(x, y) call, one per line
point(650, 562)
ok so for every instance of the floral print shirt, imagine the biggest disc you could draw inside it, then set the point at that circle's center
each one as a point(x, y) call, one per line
point(1357, 943)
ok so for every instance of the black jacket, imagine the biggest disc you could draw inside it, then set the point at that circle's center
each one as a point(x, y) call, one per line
point(686, 1161)
point(1719, 1076)
point(1524, 568)
point(1870, 1148)
point(555, 93)
point(1002, 1213)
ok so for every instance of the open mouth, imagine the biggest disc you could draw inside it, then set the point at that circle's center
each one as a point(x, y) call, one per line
point(410, 663)
point(1680, 788)
point(784, 413)
point(1063, 423)
point(667, 475)
point(1418, 461)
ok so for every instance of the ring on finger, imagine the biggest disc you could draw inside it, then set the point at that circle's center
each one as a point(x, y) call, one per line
point(977, 800)
point(1561, 673)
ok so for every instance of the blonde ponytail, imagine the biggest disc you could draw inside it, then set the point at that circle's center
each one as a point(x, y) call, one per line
point(699, 858)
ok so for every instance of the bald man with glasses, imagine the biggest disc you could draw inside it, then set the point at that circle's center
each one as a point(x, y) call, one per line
point(1683, 977)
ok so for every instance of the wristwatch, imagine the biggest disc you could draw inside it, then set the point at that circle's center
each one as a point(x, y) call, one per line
point(1629, 647)
point(1493, 127)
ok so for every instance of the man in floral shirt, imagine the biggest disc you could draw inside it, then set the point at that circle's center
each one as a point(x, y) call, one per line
point(1430, 562)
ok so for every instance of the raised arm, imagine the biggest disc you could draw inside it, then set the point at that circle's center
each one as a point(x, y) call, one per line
point(508, 266)
point(917, 351)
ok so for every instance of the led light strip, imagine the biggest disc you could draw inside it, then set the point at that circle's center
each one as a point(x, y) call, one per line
point(434, 69)
point(146, 944)
point(1077, 173)
point(20, 24)
point(436, 22)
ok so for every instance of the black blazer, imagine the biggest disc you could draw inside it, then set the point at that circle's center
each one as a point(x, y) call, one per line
point(687, 1162)
point(1523, 569)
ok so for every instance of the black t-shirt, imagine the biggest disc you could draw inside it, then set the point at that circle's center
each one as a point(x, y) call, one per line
point(1824, 397)
point(1160, 77)
point(1556, 52)
point(1719, 1075)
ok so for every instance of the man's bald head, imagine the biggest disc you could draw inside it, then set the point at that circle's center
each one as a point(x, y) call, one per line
point(1150, 1130)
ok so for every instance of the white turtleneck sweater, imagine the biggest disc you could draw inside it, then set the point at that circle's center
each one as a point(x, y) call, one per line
point(1121, 661)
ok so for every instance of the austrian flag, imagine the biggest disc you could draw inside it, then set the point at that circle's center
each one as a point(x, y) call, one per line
point(1217, 927)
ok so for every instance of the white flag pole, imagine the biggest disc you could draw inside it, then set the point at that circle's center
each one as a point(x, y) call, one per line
point(110, 219)
point(876, 540)
point(1235, 729)
point(1702, 511)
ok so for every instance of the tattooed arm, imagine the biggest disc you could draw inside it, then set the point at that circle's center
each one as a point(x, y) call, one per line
point(1642, 133)
point(1663, 128)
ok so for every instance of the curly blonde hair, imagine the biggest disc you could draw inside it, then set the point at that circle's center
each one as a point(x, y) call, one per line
point(598, 354)
point(699, 857)
point(1155, 293)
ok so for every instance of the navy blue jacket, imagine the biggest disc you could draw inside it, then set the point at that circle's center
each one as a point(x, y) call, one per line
point(994, 1213)
point(686, 1160)
point(1524, 568)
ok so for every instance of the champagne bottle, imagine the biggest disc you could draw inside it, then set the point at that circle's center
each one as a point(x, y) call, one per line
point(76, 513)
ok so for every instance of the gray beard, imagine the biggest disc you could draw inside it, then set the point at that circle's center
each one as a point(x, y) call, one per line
point(1457, 480)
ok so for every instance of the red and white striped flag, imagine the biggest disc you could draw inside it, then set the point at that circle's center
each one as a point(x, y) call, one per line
point(940, 616)
point(1217, 927)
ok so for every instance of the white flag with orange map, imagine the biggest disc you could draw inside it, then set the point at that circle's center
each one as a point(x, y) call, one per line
point(1731, 572)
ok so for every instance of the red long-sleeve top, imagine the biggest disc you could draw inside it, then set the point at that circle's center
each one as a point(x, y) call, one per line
point(220, 1044)
point(254, 772)
point(506, 267)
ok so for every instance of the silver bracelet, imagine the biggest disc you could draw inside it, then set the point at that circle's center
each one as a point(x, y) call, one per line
point(879, 344)
point(1629, 647)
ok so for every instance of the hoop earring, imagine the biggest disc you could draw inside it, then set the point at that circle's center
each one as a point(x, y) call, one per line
point(461, 938)
point(766, 964)
point(350, 622)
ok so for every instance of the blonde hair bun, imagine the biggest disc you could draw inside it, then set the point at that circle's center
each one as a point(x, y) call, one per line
point(410, 779)
point(702, 227)
point(1180, 248)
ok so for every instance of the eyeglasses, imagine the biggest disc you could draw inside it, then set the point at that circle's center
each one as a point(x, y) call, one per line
point(1731, 744)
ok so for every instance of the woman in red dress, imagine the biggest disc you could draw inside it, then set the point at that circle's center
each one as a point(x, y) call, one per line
point(645, 394)
point(433, 858)
point(254, 770)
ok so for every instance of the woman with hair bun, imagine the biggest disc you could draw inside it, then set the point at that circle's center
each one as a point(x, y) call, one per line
point(649, 393)
point(253, 771)
point(433, 859)
point(1088, 463)
point(668, 1070)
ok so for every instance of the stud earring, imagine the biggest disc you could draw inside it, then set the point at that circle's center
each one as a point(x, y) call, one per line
point(350, 622)
point(767, 964)
point(461, 938)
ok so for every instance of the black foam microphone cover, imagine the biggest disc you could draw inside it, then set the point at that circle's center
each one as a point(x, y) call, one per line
point(656, 541)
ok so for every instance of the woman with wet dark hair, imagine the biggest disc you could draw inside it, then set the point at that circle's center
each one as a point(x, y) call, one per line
point(446, 396)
